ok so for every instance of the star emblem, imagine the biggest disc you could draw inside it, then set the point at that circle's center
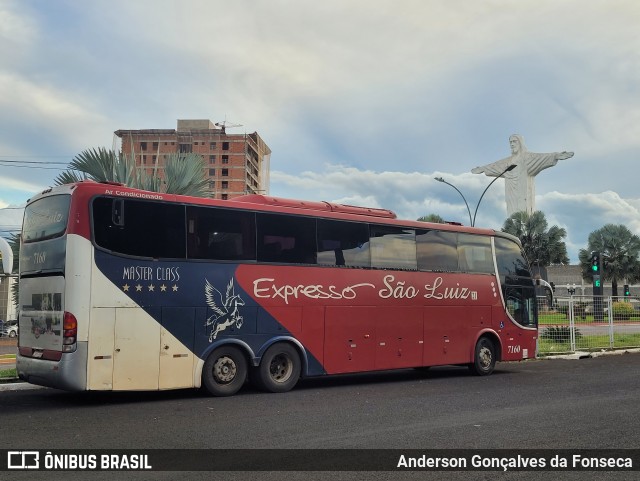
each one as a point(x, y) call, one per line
point(138, 288)
point(151, 287)
point(163, 288)
point(175, 288)
point(125, 288)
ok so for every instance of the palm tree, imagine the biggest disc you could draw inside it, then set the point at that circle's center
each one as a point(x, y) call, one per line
point(14, 242)
point(183, 173)
point(619, 248)
point(542, 246)
point(435, 218)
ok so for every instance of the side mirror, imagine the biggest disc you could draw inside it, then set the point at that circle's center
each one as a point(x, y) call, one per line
point(7, 256)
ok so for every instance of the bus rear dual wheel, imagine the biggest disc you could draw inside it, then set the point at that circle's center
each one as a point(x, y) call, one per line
point(225, 370)
point(279, 369)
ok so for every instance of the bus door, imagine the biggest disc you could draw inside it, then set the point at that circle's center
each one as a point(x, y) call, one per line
point(176, 356)
point(136, 358)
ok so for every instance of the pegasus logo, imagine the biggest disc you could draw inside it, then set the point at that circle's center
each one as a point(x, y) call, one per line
point(225, 315)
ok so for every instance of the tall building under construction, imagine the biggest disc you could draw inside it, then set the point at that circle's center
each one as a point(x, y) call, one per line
point(236, 164)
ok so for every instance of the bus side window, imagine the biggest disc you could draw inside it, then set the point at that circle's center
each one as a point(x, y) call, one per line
point(475, 254)
point(220, 234)
point(437, 251)
point(520, 302)
point(393, 247)
point(152, 229)
point(342, 243)
point(286, 238)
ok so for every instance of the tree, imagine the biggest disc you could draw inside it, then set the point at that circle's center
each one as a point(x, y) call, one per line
point(435, 218)
point(542, 246)
point(183, 173)
point(619, 249)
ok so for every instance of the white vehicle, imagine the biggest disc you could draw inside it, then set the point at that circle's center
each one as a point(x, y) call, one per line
point(10, 329)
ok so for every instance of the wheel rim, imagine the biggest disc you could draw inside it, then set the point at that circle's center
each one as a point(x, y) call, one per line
point(224, 370)
point(485, 357)
point(281, 368)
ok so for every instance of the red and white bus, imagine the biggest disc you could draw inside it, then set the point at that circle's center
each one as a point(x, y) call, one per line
point(123, 289)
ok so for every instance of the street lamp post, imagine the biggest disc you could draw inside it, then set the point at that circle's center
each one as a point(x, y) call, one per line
point(473, 221)
point(440, 179)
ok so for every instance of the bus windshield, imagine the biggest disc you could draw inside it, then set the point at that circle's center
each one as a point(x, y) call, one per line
point(46, 218)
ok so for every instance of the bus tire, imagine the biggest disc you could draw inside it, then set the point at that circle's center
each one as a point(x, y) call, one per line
point(279, 368)
point(484, 358)
point(225, 371)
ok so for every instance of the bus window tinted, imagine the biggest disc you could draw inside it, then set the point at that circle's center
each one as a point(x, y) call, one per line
point(220, 234)
point(437, 251)
point(510, 260)
point(286, 239)
point(474, 254)
point(46, 218)
point(343, 243)
point(393, 247)
point(140, 228)
point(521, 305)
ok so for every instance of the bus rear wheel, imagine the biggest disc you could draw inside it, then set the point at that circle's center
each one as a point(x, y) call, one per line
point(225, 371)
point(484, 359)
point(279, 369)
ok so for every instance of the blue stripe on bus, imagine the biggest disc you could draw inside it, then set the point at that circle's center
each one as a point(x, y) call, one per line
point(201, 304)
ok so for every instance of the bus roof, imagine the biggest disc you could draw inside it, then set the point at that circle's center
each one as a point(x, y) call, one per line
point(263, 203)
point(322, 206)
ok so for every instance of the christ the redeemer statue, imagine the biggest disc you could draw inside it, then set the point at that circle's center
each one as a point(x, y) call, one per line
point(520, 187)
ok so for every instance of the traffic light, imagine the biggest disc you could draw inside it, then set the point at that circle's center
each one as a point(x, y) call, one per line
point(595, 263)
point(598, 277)
point(627, 292)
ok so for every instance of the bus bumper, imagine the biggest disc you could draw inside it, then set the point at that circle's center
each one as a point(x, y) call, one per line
point(69, 373)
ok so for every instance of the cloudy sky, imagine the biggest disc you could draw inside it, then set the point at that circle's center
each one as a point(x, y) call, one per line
point(362, 102)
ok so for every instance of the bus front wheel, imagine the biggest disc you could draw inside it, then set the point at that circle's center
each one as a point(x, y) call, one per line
point(224, 371)
point(484, 359)
point(279, 368)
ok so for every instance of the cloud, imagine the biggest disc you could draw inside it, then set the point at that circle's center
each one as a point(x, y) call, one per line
point(7, 183)
point(412, 195)
point(364, 102)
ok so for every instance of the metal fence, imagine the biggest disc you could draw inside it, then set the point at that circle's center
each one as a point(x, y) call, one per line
point(581, 323)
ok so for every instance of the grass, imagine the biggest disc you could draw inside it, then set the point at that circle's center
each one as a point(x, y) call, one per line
point(560, 319)
point(8, 373)
point(585, 343)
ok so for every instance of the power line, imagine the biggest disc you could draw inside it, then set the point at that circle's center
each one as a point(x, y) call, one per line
point(31, 167)
point(34, 156)
point(33, 162)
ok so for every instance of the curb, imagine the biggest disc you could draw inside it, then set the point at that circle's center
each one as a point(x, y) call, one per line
point(18, 386)
point(593, 354)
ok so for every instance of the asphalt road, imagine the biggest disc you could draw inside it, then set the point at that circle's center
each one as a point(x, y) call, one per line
point(550, 404)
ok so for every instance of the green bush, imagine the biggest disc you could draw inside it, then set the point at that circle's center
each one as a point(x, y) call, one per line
point(622, 311)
